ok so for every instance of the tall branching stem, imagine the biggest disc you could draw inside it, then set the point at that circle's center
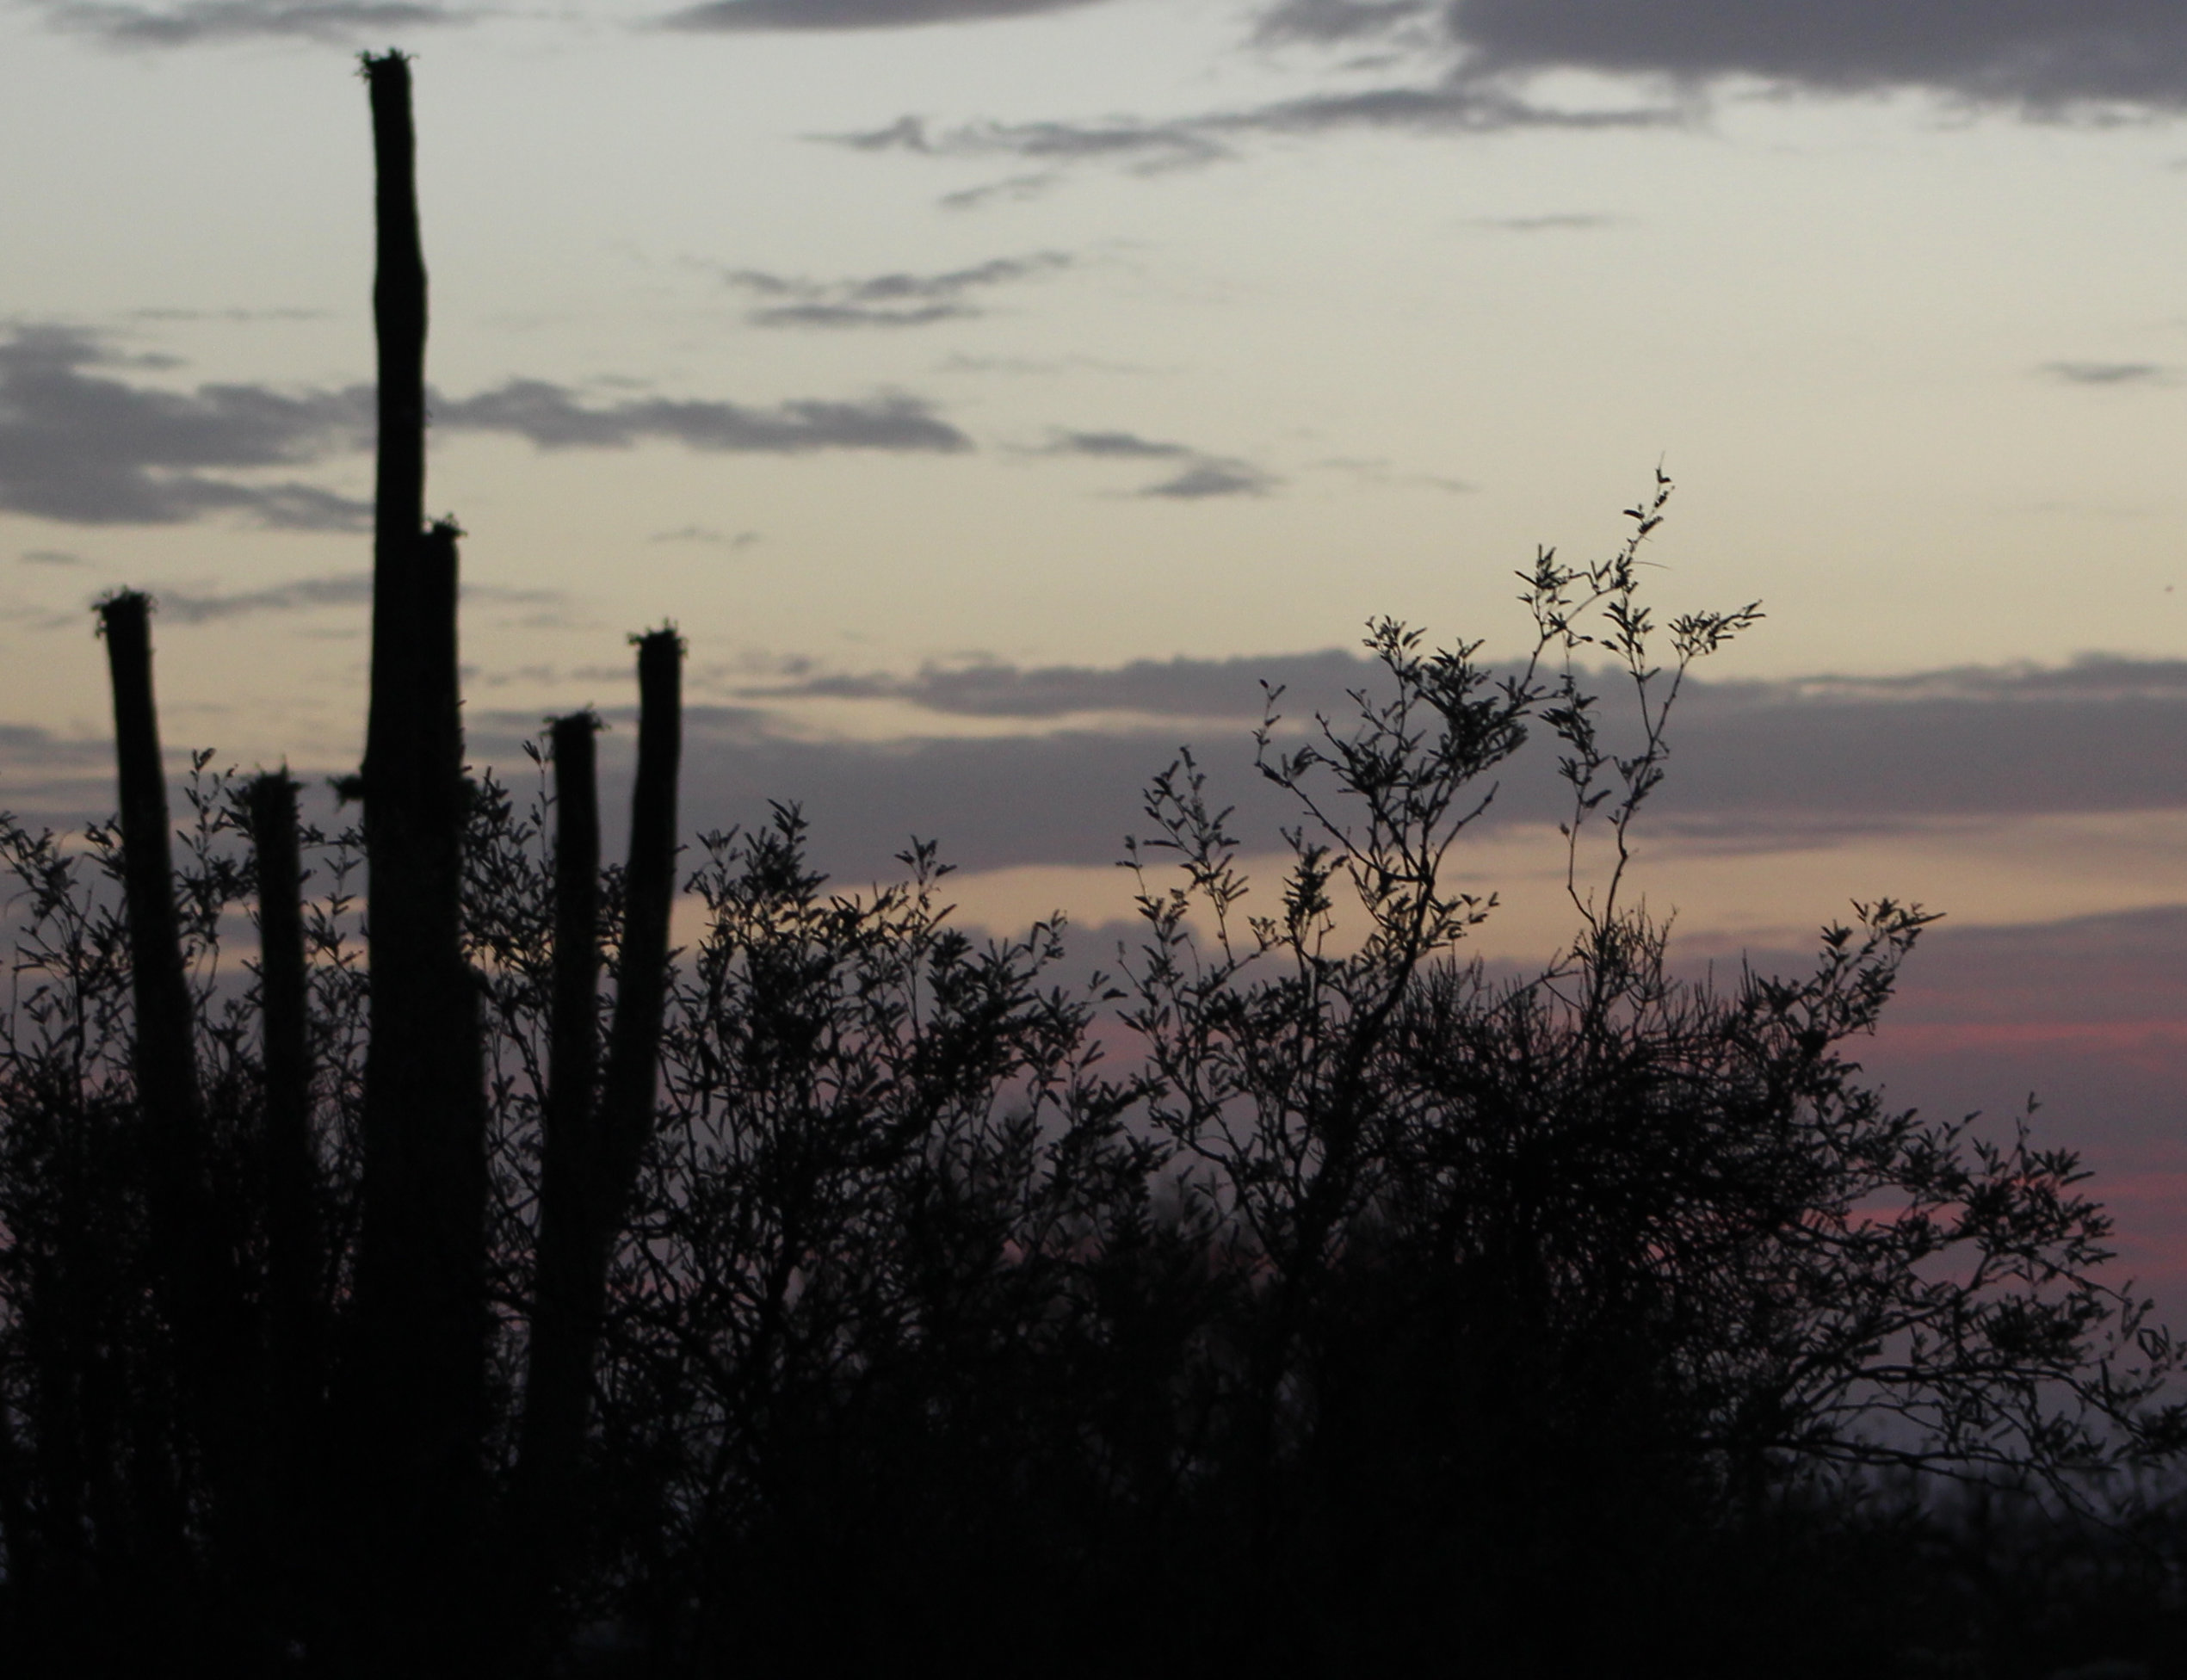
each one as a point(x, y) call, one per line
point(166, 1062)
point(418, 1379)
point(560, 1379)
point(195, 1267)
point(649, 888)
point(593, 1151)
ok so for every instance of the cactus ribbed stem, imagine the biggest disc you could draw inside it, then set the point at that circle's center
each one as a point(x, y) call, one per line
point(594, 1154)
point(195, 1264)
point(166, 1063)
point(558, 1383)
point(649, 894)
point(416, 1386)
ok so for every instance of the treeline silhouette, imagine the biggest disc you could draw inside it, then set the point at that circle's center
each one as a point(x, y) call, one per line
point(464, 1282)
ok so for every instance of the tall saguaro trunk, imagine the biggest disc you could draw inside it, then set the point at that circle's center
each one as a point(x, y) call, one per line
point(558, 1378)
point(166, 1063)
point(649, 894)
point(593, 1149)
point(418, 1382)
point(165, 1059)
point(196, 1267)
point(559, 1381)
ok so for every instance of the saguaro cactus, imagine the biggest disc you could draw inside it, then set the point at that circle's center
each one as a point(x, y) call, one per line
point(166, 1064)
point(399, 320)
point(559, 1379)
point(593, 1151)
point(195, 1263)
point(649, 894)
point(417, 1381)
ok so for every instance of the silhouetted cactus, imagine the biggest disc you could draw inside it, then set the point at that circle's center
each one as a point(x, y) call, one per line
point(590, 1163)
point(399, 320)
point(416, 1384)
point(559, 1382)
point(163, 1053)
point(649, 894)
point(166, 1061)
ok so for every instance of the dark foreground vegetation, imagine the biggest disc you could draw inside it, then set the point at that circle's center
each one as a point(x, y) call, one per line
point(492, 1289)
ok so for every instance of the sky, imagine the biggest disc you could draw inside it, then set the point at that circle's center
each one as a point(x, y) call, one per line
point(996, 391)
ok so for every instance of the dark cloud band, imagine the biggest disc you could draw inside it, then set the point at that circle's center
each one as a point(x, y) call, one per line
point(1475, 62)
point(829, 15)
point(338, 590)
point(2106, 373)
point(82, 445)
point(1457, 106)
point(899, 300)
point(554, 418)
point(1754, 766)
point(199, 22)
point(1199, 477)
point(2032, 53)
point(2028, 52)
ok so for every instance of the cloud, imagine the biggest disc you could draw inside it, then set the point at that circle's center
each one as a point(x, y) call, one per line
point(1013, 189)
point(78, 446)
point(1458, 105)
point(1146, 146)
point(2105, 372)
point(1482, 57)
point(1068, 797)
point(707, 534)
point(2085, 969)
point(808, 15)
point(2095, 736)
point(1564, 222)
point(1326, 21)
point(1754, 767)
point(1461, 105)
point(50, 557)
point(2039, 56)
point(345, 588)
point(958, 363)
point(1114, 446)
point(885, 300)
point(54, 779)
point(1178, 688)
point(551, 417)
point(342, 590)
point(1203, 477)
point(234, 317)
point(198, 21)
point(907, 133)
point(26, 745)
point(1207, 480)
